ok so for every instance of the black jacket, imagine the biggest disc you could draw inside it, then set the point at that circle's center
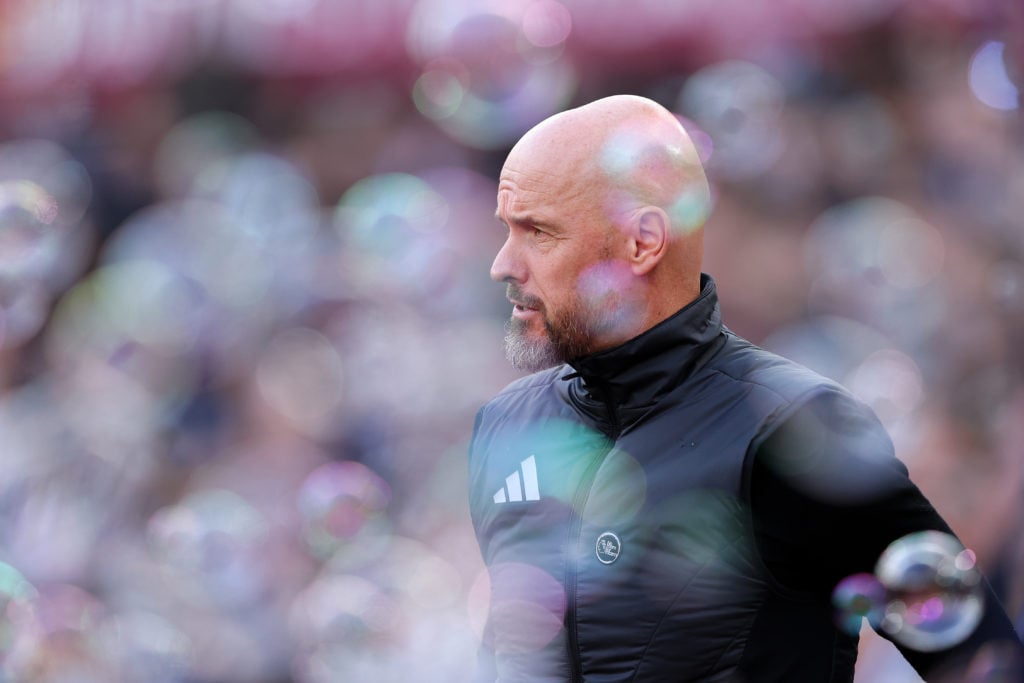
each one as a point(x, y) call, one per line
point(680, 508)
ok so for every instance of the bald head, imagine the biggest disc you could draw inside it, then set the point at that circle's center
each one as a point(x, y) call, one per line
point(629, 147)
point(605, 206)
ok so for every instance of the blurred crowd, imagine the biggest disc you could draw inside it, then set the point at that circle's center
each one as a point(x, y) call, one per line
point(246, 321)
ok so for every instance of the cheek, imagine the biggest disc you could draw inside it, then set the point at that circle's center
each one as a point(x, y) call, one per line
point(603, 282)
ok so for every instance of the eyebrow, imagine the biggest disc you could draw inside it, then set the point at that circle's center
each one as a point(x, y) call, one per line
point(526, 219)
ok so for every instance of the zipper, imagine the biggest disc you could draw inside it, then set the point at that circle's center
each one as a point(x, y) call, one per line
point(571, 569)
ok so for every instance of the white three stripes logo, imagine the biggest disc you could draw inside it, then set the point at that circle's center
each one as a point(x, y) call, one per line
point(518, 488)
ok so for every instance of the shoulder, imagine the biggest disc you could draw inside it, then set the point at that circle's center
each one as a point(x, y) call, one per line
point(527, 387)
point(776, 384)
point(762, 371)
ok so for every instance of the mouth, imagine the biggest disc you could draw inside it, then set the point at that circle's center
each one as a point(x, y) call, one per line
point(521, 309)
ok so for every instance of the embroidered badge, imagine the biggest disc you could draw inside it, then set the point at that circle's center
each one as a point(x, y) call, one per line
point(608, 547)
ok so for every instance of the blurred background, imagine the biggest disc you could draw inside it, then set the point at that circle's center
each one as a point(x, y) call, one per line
point(245, 318)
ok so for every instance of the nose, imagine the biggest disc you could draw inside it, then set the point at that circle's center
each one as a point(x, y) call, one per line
point(507, 265)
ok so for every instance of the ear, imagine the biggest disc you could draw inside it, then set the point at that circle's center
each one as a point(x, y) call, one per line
point(648, 239)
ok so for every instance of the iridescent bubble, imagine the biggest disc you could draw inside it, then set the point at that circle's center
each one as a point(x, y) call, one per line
point(194, 156)
point(438, 92)
point(890, 382)
point(300, 374)
point(43, 196)
point(873, 259)
point(341, 504)
point(27, 216)
point(526, 610)
point(393, 227)
point(564, 451)
point(492, 68)
point(856, 598)
point(633, 157)
point(63, 633)
point(935, 597)
point(857, 241)
point(243, 270)
point(17, 603)
point(739, 104)
point(215, 535)
point(147, 646)
point(604, 289)
point(831, 345)
point(546, 23)
point(50, 167)
point(622, 495)
point(989, 79)
point(128, 329)
point(415, 571)
point(343, 608)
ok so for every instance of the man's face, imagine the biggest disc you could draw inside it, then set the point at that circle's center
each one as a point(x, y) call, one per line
point(558, 263)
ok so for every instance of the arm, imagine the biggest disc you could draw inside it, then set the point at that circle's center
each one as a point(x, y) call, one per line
point(828, 496)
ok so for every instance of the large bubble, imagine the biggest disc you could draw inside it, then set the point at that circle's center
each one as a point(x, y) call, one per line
point(43, 197)
point(934, 591)
point(739, 105)
point(873, 259)
point(300, 375)
point(490, 69)
point(343, 505)
point(214, 536)
point(17, 603)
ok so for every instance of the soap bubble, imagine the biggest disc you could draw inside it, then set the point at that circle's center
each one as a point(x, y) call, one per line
point(490, 70)
point(342, 503)
point(215, 537)
point(934, 591)
point(858, 597)
point(17, 602)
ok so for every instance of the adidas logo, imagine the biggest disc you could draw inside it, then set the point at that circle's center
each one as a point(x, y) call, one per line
point(518, 488)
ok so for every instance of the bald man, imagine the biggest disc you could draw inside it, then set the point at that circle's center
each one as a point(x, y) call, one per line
point(661, 500)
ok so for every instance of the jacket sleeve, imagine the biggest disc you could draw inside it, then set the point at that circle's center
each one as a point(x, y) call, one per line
point(828, 496)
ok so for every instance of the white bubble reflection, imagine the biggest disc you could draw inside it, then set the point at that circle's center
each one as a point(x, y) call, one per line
point(989, 79)
point(935, 598)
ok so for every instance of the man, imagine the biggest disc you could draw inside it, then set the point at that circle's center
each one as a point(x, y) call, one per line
point(662, 500)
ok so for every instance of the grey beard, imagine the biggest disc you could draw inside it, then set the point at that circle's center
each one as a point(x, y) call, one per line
point(569, 340)
point(529, 354)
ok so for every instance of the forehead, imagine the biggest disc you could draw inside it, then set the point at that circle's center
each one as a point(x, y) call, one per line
point(527, 185)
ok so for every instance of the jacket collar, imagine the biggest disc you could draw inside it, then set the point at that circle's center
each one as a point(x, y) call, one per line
point(637, 373)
